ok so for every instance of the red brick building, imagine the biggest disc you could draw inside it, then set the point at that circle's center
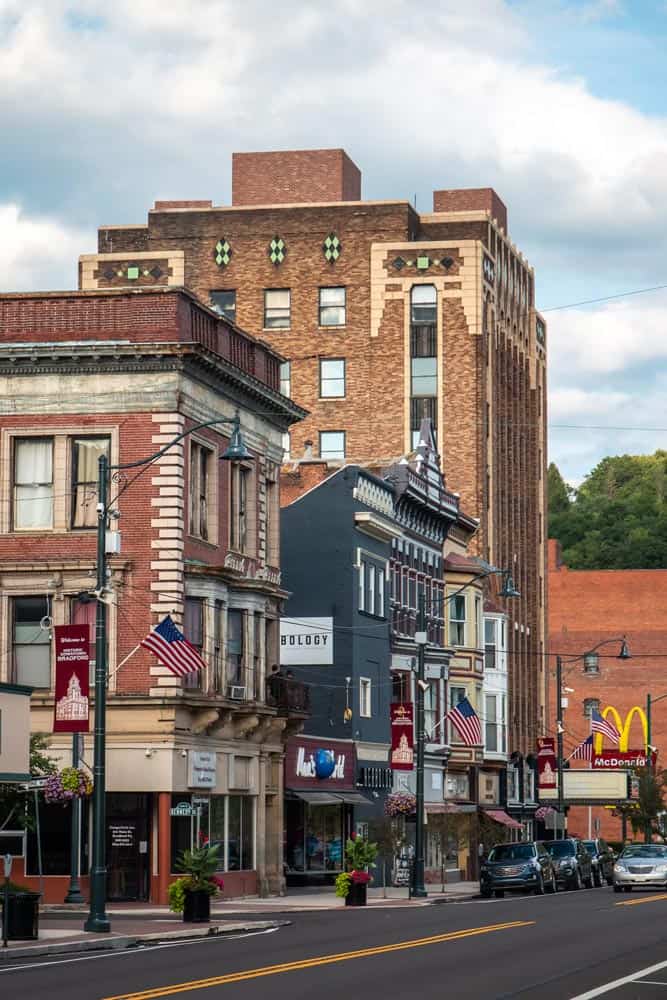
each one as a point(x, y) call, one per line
point(123, 373)
point(585, 608)
point(386, 316)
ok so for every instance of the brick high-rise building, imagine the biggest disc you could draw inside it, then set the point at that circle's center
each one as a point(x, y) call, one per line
point(387, 316)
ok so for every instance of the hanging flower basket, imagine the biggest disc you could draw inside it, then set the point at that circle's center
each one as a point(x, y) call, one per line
point(400, 804)
point(70, 783)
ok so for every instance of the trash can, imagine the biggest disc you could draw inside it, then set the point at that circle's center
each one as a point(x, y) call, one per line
point(22, 916)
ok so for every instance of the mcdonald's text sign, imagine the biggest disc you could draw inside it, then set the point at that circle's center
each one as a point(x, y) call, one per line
point(622, 758)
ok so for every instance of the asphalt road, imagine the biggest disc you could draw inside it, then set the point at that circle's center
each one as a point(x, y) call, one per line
point(548, 947)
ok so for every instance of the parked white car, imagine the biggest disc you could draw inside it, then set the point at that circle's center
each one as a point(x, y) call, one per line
point(642, 866)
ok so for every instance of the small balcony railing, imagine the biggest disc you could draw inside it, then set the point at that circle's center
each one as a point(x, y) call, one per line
point(288, 695)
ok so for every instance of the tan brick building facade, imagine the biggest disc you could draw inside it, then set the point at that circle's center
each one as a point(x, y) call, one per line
point(386, 316)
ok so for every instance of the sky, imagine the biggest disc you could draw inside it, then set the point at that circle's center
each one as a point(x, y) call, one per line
point(560, 106)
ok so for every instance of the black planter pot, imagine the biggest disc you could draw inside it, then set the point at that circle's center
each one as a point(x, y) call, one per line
point(197, 908)
point(357, 894)
point(22, 916)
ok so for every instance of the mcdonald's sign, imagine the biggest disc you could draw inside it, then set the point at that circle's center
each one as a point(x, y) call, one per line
point(623, 727)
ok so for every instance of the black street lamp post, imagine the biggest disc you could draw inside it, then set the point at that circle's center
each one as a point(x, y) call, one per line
point(591, 667)
point(508, 590)
point(98, 921)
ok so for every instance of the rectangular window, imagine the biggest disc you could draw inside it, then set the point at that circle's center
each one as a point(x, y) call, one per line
point(286, 378)
point(332, 444)
point(489, 644)
point(431, 713)
point(235, 647)
point(332, 307)
point(478, 622)
point(272, 517)
point(238, 507)
point(240, 833)
point(277, 308)
point(365, 697)
point(422, 408)
point(33, 483)
point(456, 694)
point(490, 724)
point(457, 620)
point(224, 303)
point(201, 460)
point(31, 645)
point(193, 630)
point(424, 377)
point(371, 588)
point(218, 658)
point(332, 378)
point(86, 453)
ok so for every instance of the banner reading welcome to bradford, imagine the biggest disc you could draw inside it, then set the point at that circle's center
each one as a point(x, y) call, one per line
point(72, 679)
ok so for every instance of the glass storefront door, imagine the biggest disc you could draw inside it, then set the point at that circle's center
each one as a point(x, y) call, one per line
point(314, 837)
point(128, 825)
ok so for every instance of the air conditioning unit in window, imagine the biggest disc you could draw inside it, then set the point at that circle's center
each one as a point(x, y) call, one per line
point(237, 692)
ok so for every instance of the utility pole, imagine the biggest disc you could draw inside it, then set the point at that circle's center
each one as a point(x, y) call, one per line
point(98, 921)
point(418, 887)
point(559, 739)
point(647, 825)
point(74, 890)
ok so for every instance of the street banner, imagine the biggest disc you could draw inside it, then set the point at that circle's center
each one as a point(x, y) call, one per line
point(402, 737)
point(72, 679)
point(622, 758)
point(547, 768)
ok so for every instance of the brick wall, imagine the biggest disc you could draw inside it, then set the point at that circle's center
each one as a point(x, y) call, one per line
point(587, 607)
point(471, 199)
point(294, 176)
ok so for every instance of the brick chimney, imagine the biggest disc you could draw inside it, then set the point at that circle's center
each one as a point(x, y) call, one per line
point(294, 176)
point(471, 200)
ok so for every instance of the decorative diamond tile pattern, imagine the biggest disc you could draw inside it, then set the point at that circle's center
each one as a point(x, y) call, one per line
point(423, 263)
point(277, 250)
point(132, 273)
point(109, 273)
point(156, 272)
point(447, 262)
point(222, 253)
point(398, 263)
point(332, 248)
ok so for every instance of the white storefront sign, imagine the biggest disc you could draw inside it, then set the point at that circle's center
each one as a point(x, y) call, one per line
point(202, 770)
point(306, 642)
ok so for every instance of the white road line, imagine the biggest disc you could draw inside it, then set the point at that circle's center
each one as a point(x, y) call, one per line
point(140, 950)
point(624, 981)
point(651, 982)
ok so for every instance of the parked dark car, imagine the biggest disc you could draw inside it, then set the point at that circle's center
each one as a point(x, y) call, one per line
point(573, 863)
point(602, 858)
point(517, 867)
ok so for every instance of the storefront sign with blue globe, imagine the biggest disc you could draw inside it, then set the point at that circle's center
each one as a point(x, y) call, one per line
point(325, 762)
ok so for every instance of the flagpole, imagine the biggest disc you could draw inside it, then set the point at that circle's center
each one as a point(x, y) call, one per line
point(122, 663)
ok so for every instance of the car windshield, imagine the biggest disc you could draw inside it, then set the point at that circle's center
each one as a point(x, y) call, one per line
point(645, 851)
point(512, 852)
point(590, 846)
point(560, 848)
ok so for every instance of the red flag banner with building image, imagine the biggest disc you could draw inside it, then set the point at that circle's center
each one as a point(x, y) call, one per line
point(72, 704)
point(547, 769)
point(402, 737)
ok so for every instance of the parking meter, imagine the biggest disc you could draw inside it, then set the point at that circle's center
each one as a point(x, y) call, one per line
point(7, 861)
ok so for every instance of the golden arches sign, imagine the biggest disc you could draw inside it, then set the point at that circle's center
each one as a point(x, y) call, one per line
point(624, 727)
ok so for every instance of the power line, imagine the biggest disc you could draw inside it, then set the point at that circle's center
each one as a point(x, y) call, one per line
point(604, 298)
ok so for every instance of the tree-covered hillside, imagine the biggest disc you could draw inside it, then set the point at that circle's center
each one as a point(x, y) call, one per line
point(617, 519)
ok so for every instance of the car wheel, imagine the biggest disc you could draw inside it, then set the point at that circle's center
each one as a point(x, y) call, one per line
point(588, 881)
point(597, 878)
point(499, 894)
point(539, 888)
point(553, 885)
point(618, 888)
point(485, 893)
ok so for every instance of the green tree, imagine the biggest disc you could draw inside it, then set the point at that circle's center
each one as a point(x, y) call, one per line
point(651, 801)
point(15, 806)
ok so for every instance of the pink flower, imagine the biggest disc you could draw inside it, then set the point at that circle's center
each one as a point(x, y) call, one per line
point(353, 836)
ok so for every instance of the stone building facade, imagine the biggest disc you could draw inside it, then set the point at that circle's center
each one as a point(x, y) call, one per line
point(386, 316)
point(86, 373)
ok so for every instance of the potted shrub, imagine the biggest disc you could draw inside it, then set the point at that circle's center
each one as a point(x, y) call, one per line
point(191, 894)
point(351, 884)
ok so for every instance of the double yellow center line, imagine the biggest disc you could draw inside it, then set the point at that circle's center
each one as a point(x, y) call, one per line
point(311, 963)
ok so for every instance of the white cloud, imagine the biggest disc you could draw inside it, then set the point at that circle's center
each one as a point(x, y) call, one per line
point(38, 253)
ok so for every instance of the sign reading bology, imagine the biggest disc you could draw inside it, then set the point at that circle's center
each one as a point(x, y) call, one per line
point(306, 642)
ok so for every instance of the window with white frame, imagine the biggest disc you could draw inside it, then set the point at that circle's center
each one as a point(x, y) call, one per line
point(31, 642)
point(457, 620)
point(512, 784)
point(286, 378)
point(371, 587)
point(332, 378)
point(332, 307)
point(490, 644)
point(478, 621)
point(365, 697)
point(224, 303)
point(240, 507)
point(277, 308)
point(456, 694)
point(332, 444)
point(529, 783)
point(431, 712)
point(33, 484)
point(86, 453)
point(193, 630)
point(235, 647)
point(202, 518)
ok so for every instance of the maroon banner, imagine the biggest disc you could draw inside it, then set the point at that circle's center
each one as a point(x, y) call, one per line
point(610, 759)
point(547, 768)
point(402, 737)
point(319, 763)
point(72, 679)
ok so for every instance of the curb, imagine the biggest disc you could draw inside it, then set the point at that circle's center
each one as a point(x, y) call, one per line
point(126, 941)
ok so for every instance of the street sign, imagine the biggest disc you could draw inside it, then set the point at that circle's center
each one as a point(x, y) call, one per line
point(7, 862)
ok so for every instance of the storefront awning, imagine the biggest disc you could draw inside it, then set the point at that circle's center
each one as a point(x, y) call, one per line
point(438, 808)
point(499, 816)
point(333, 798)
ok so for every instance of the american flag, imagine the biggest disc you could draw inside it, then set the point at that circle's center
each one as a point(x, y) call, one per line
point(173, 649)
point(604, 726)
point(467, 722)
point(584, 751)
